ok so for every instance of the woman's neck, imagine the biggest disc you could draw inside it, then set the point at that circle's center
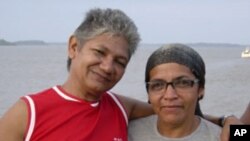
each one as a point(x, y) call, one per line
point(178, 130)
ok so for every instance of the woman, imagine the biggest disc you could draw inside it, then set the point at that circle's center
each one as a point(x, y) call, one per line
point(175, 82)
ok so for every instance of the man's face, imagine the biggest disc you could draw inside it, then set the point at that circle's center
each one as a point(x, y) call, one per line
point(100, 63)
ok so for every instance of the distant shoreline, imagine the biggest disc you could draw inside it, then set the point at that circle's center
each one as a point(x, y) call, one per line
point(41, 42)
point(28, 42)
point(24, 42)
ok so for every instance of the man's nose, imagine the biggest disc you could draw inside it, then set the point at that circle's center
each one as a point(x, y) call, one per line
point(107, 65)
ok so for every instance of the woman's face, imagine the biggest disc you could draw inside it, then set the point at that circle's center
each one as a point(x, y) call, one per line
point(176, 102)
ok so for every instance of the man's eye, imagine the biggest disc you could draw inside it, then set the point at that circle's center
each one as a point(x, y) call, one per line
point(121, 63)
point(99, 52)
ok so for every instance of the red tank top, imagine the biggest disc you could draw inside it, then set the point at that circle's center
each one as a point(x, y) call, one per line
point(55, 115)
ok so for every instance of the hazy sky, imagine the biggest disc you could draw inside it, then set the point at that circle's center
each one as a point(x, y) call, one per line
point(158, 21)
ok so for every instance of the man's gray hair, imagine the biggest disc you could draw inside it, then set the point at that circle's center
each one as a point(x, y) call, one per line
point(99, 21)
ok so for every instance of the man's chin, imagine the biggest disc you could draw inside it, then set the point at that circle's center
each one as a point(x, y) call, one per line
point(100, 89)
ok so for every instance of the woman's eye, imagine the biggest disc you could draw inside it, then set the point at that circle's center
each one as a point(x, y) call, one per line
point(185, 82)
point(182, 83)
point(156, 86)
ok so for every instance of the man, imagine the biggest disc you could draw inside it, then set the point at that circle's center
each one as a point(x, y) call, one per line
point(82, 108)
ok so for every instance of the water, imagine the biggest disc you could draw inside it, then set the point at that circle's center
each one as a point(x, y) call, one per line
point(28, 69)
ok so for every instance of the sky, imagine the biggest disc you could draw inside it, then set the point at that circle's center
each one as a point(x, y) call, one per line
point(158, 21)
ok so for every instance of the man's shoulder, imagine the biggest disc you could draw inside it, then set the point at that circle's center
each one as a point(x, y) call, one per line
point(42, 93)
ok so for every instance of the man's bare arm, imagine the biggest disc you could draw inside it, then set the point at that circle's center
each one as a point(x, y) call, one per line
point(245, 118)
point(13, 123)
point(136, 108)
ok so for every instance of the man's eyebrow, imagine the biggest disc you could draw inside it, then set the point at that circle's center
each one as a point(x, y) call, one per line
point(104, 48)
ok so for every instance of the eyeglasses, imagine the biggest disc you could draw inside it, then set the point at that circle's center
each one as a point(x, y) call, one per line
point(182, 84)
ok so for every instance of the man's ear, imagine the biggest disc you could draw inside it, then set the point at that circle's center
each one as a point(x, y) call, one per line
point(72, 47)
point(149, 102)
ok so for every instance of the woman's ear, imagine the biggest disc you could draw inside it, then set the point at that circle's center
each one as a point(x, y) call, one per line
point(72, 47)
point(201, 92)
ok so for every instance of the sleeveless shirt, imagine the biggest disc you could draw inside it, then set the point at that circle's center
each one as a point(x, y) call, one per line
point(55, 115)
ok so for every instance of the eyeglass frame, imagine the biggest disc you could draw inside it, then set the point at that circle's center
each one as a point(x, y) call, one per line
point(172, 83)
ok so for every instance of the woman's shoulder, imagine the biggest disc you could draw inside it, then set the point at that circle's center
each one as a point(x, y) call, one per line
point(211, 128)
